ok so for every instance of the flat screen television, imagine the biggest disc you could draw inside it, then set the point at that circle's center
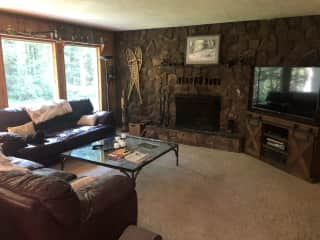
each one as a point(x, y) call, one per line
point(290, 91)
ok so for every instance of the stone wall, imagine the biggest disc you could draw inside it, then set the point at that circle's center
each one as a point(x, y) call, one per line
point(290, 41)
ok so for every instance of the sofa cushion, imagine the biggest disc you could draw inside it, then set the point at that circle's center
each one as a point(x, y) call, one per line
point(54, 194)
point(102, 193)
point(39, 152)
point(82, 135)
point(10, 117)
point(63, 141)
point(57, 124)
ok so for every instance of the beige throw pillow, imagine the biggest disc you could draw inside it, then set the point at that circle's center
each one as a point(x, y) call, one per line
point(24, 130)
point(88, 120)
point(46, 111)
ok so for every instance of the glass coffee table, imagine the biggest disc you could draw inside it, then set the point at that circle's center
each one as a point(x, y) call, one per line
point(99, 153)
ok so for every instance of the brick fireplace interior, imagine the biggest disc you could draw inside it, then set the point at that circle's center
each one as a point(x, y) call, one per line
point(198, 112)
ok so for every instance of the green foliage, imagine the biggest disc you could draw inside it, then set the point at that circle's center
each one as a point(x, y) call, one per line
point(28, 70)
point(30, 77)
point(81, 73)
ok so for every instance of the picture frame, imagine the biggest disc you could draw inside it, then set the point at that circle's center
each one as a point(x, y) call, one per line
point(202, 50)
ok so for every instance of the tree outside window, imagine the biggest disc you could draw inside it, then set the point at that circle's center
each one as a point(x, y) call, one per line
point(29, 71)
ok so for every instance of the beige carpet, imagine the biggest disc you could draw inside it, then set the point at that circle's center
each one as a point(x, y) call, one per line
point(217, 195)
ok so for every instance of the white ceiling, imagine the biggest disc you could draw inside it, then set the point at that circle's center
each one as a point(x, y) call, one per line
point(143, 14)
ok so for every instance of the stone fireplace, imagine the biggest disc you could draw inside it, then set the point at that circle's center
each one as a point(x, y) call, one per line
point(198, 112)
point(164, 75)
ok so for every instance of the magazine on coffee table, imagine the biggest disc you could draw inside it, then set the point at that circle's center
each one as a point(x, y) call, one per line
point(136, 157)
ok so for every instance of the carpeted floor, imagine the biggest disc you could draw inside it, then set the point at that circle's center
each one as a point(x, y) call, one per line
point(217, 195)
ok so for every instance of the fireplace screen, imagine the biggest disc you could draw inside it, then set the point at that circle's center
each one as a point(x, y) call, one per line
point(198, 112)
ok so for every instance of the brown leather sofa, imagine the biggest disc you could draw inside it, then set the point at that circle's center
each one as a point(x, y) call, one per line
point(43, 205)
point(59, 134)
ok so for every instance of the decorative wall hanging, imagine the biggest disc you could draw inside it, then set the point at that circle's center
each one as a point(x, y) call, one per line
point(134, 61)
point(203, 49)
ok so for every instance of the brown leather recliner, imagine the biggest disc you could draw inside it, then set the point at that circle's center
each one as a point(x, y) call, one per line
point(38, 207)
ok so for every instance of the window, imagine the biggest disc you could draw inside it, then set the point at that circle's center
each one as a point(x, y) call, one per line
point(29, 71)
point(81, 67)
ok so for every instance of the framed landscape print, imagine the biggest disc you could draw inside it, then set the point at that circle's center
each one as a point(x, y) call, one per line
point(203, 49)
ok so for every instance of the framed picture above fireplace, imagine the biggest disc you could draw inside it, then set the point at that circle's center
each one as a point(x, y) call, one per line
point(203, 49)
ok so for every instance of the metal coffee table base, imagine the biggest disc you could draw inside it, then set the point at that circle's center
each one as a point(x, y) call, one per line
point(133, 174)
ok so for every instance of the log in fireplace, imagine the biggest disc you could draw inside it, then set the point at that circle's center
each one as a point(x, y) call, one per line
point(198, 112)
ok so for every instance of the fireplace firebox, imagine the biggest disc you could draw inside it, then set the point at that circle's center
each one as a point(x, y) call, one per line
point(198, 112)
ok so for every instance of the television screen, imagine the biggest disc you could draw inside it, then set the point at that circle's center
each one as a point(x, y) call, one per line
point(289, 90)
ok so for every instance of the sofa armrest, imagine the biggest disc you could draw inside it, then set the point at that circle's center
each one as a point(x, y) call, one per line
point(102, 193)
point(105, 118)
point(11, 143)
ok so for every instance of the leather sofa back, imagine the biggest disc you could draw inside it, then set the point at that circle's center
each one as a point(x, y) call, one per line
point(67, 121)
point(10, 117)
point(49, 197)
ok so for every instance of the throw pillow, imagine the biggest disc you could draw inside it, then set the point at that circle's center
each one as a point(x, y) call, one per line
point(47, 111)
point(24, 130)
point(88, 120)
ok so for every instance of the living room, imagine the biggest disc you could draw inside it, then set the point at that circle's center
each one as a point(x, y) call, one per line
point(153, 120)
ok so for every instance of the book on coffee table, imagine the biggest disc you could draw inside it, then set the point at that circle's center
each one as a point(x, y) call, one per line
point(119, 153)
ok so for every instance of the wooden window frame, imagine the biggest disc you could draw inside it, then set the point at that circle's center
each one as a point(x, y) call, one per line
point(59, 68)
point(100, 69)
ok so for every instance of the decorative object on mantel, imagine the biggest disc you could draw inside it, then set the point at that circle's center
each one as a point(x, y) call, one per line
point(199, 81)
point(134, 61)
point(203, 49)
